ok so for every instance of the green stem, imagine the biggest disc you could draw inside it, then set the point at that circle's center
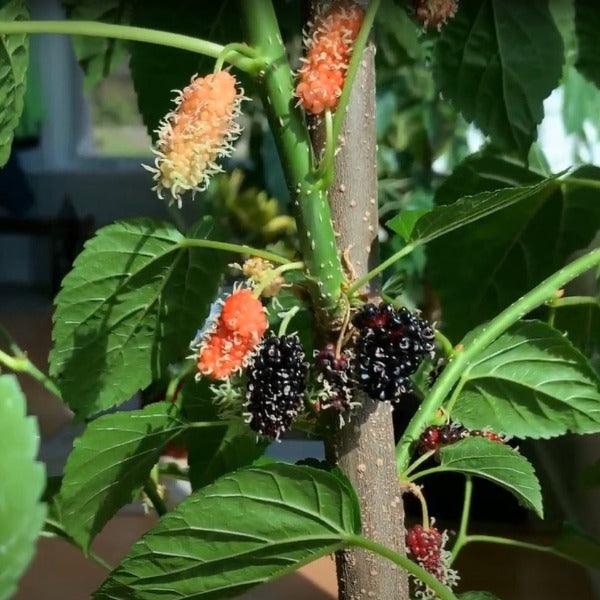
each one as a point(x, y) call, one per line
point(443, 592)
point(233, 49)
point(151, 490)
point(286, 320)
point(445, 343)
point(573, 301)
point(22, 364)
point(464, 520)
point(455, 395)
point(325, 172)
point(424, 458)
point(64, 535)
point(313, 213)
point(272, 275)
point(502, 541)
point(420, 474)
point(359, 283)
point(476, 343)
point(581, 182)
point(237, 248)
point(357, 54)
point(129, 33)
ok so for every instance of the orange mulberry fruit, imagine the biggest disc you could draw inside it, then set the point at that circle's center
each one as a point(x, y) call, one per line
point(225, 348)
point(329, 45)
point(200, 130)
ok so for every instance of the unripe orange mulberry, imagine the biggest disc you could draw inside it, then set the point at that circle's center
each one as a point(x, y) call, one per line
point(329, 45)
point(199, 131)
point(241, 325)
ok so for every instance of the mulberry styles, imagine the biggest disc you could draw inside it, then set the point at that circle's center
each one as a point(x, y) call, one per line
point(275, 385)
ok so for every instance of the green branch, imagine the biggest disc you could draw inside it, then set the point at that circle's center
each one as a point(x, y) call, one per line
point(151, 491)
point(359, 283)
point(574, 301)
point(442, 591)
point(477, 342)
point(133, 34)
point(461, 538)
point(21, 364)
point(357, 55)
point(313, 213)
point(502, 541)
point(236, 248)
point(580, 182)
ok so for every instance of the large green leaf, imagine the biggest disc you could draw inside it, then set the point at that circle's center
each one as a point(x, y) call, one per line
point(246, 528)
point(424, 226)
point(110, 463)
point(497, 259)
point(497, 462)
point(23, 479)
point(498, 61)
point(14, 58)
point(587, 25)
point(129, 307)
point(484, 172)
point(158, 70)
point(98, 56)
point(531, 382)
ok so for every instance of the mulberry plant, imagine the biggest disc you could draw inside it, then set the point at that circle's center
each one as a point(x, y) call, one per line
point(438, 322)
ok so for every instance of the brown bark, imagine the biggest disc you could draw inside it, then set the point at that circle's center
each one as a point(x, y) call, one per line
point(364, 448)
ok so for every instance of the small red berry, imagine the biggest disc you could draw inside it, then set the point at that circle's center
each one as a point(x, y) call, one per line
point(430, 439)
point(426, 546)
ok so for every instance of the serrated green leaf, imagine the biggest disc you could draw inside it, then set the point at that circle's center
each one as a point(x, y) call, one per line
point(14, 58)
point(531, 382)
point(510, 251)
point(247, 528)
point(109, 464)
point(129, 307)
point(98, 56)
point(496, 70)
point(498, 463)
point(587, 24)
point(484, 172)
point(578, 547)
point(425, 226)
point(21, 512)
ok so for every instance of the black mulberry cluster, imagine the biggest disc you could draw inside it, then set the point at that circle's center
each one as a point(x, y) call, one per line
point(333, 375)
point(391, 344)
point(275, 385)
